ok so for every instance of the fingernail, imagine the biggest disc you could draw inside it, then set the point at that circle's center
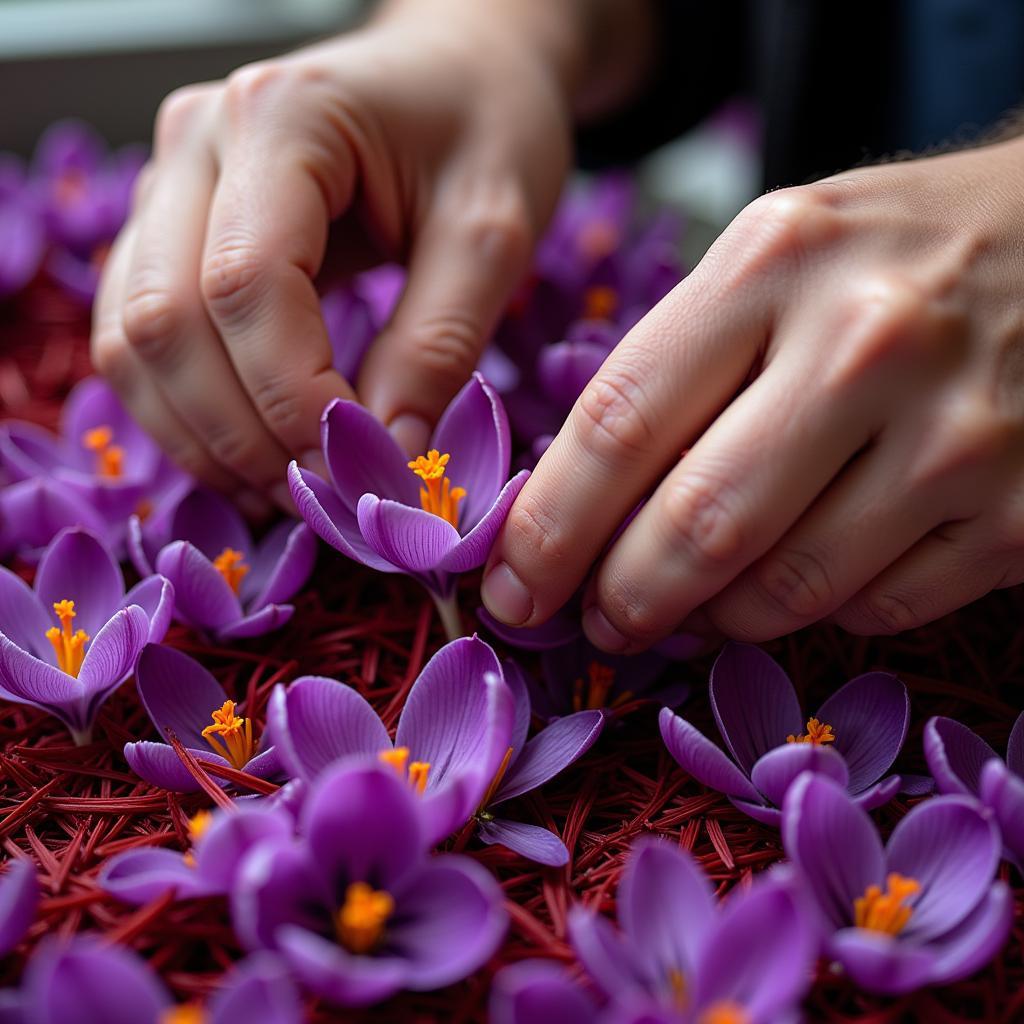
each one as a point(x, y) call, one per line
point(505, 596)
point(253, 505)
point(601, 633)
point(313, 458)
point(412, 433)
point(283, 497)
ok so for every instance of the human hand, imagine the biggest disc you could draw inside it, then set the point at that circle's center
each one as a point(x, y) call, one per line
point(437, 135)
point(870, 470)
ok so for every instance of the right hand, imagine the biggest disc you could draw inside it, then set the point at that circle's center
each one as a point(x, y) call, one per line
point(435, 136)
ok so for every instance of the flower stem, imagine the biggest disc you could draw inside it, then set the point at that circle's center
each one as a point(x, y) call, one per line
point(82, 737)
point(451, 619)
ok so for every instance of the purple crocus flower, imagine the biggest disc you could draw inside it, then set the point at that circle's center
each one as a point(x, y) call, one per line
point(70, 641)
point(87, 981)
point(854, 737)
point(225, 583)
point(922, 910)
point(434, 517)
point(678, 953)
point(539, 992)
point(19, 897)
point(219, 842)
point(962, 762)
point(453, 734)
point(355, 907)
point(183, 699)
point(22, 231)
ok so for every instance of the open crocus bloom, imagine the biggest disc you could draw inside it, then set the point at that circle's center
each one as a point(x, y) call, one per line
point(183, 699)
point(681, 955)
point(225, 583)
point(355, 906)
point(922, 910)
point(19, 897)
point(854, 737)
point(432, 517)
point(962, 762)
point(70, 641)
point(86, 979)
point(453, 734)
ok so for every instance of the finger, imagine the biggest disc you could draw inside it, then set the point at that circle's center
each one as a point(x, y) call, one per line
point(277, 192)
point(164, 318)
point(669, 376)
point(741, 486)
point(465, 263)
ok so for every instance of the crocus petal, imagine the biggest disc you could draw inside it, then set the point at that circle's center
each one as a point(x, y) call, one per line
point(869, 716)
point(559, 630)
point(834, 844)
point(318, 720)
point(1003, 791)
point(549, 752)
point(753, 703)
point(951, 848)
point(880, 964)
point(23, 618)
point(474, 431)
point(138, 876)
point(25, 679)
point(38, 509)
point(211, 523)
point(363, 458)
point(519, 687)
point(699, 757)
point(19, 897)
point(155, 596)
point(26, 450)
point(775, 771)
point(178, 693)
point(529, 841)
point(159, 765)
point(1015, 746)
point(611, 963)
point(565, 368)
point(976, 939)
point(413, 540)
point(666, 909)
point(266, 620)
point(113, 653)
point(955, 755)
point(219, 852)
point(770, 816)
point(452, 921)
point(77, 567)
point(257, 991)
point(880, 793)
point(472, 550)
point(267, 763)
point(283, 563)
point(759, 956)
point(141, 554)
point(202, 597)
point(538, 992)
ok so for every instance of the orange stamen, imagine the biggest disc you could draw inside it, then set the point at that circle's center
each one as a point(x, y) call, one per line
point(231, 565)
point(600, 302)
point(593, 694)
point(67, 645)
point(186, 1013)
point(230, 736)
point(359, 923)
point(886, 912)
point(437, 496)
point(109, 456)
point(417, 772)
point(598, 239)
point(724, 1012)
point(817, 733)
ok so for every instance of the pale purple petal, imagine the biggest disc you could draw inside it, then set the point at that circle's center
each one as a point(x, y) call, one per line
point(142, 551)
point(77, 567)
point(23, 618)
point(159, 765)
point(869, 716)
point(549, 752)
point(318, 720)
point(472, 550)
point(699, 757)
point(219, 852)
point(22, 244)
point(612, 964)
point(951, 848)
point(202, 597)
point(452, 921)
point(113, 652)
point(1015, 746)
point(770, 816)
point(27, 450)
point(530, 841)
point(753, 703)
point(558, 631)
point(155, 596)
point(139, 876)
point(955, 755)
point(38, 509)
point(775, 771)
point(519, 687)
point(283, 562)
point(976, 939)
point(19, 897)
point(474, 431)
point(211, 523)
point(25, 679)
point(538, 992)
point(413, 540)
point(266, 620)
point(913, 785)
point(879, 794)
point(267, 764)
point(565, 368)
point(259, 990)
point(879, 964)
point(1003, 791)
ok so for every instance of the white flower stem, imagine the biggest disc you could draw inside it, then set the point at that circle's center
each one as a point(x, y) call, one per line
point(82, 737)
point(451, 619)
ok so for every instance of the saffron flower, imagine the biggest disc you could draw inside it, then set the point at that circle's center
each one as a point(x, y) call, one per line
point(225, 583)
point(453, 734)
point(922, 910)
point(70, 641)
point(432, 517)
point(853, 738)
point(19, 897)
point(680, 954)
point(962, 762)
point(219, 841)
point(539, 992)
point(183, 699)
point(87, 980)
point(355, 906)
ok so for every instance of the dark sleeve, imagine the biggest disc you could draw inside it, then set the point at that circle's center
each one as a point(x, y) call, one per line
point(701, 60)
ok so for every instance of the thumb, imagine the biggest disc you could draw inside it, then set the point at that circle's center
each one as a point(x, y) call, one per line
point(465, 264)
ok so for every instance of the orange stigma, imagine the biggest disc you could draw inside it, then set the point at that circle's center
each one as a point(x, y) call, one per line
point(231, 565)
point(437, 496)
point(724, 1012)
point(186, 1013)
point(598, 239)
point(109, 456)
point(593, 694)
point(886, 912)
point(496, 781)
point(230, 736)
point(677, 983)
point(359, 924)
point(600, 302)
point(417, 772)
point(817, 733)
point(69, 646)
point(70, 187)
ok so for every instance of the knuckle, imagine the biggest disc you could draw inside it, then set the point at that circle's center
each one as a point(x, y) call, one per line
point(612, 422)
point(628, 607)
point(446, 346)
point(530, 527)
point(248, 86)
point(233, 449)
point(279, 403)
point(794, 583)
point(112, 358)
point(783, 224)
point(230, 280)
point(152, 319)
point(176, 114)
point(879, 613)
point(501, 235)
point(699, 513)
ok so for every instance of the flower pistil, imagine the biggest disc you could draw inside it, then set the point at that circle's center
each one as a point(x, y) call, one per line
point(437, 496)
point(231, 565)
point(886, 912)
point(185, 1013)
point(724, 1012)
point(592, 695)
point(818, 733)
point(417, 772)
point(599, 302)
point(230, 736)
point(359, 923)
point(69, 646)
point(109, 456)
